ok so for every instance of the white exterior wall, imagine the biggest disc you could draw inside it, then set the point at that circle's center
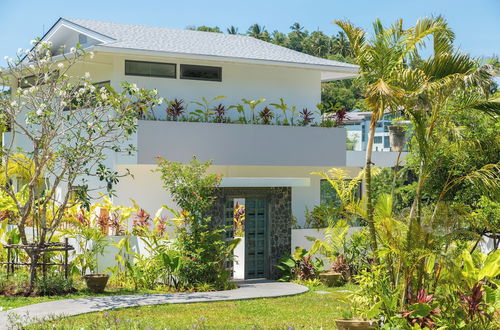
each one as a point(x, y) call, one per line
point(298, 87)
point(146, 187)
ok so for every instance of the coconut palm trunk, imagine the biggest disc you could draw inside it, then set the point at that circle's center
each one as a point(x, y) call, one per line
point(368, 183)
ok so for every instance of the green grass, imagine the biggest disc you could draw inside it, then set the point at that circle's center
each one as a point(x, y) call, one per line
point(306, 311)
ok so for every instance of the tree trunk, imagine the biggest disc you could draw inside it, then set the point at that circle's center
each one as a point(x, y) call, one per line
point(369, 193)
point(34, 256)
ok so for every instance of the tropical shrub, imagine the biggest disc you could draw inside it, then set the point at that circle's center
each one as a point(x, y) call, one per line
point(200, 242)
point(300, 266)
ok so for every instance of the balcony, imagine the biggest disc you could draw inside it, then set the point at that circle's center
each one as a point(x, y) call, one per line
point(237, 144)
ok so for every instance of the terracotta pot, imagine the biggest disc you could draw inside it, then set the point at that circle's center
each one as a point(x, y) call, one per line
point(96, 282)
point(331, 278)
point(397, 138)
point(356, 324)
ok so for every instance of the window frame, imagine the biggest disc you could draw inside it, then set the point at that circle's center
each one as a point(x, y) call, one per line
point(219, 70)
point(150, 75)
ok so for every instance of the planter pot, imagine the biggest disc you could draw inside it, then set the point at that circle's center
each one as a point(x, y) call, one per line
point(331, 279)
point(355, 324)
point(96, 282)
point(397, 138)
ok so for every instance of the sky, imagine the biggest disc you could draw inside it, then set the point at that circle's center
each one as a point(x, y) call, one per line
point(475, 22)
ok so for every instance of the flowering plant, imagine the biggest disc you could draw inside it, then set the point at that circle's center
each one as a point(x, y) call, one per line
point(239, 220)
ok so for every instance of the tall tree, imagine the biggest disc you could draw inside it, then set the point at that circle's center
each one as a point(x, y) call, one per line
point(47, 111)
point(317, 44)
point(296, 37)
point(232, 30)
point(380, 60)
point(341, 45)
point(259, 32)
point(279, 38)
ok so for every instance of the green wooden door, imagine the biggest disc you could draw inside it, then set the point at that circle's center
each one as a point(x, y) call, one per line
point(255, 238)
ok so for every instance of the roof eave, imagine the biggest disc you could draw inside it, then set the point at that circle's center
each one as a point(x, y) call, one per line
point(348, 72)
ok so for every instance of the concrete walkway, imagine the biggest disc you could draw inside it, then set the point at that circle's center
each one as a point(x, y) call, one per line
point(69, 307)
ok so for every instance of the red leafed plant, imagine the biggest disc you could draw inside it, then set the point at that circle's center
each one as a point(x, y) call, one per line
point(306, 117)
point(266, 115)
point(341, 116)
point(421, 312)
point(141, 220)
point(175, 109)
point(341, 266)
point(220, 114)
point(305, 269)
point(473, 303)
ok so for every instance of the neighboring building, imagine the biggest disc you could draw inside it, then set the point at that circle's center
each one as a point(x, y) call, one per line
point(268, 166)
point(358, 125)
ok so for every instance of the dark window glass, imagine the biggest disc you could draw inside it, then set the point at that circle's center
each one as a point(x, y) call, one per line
point(377, 139)
point(200, 72)
point(150, 69)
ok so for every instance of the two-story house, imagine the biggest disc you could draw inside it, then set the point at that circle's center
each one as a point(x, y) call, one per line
point(269, 166)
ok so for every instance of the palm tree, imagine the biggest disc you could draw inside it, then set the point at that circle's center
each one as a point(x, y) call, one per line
point(279, 38)
point(317, 44)
point(380, 61)
point(340, 45)
point(232, 30)
point(259, 32)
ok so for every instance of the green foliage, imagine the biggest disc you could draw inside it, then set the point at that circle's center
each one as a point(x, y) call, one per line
point(191, 188)
point(53, 284)
point(322, 215)
point(300, 266)
point(199, 242)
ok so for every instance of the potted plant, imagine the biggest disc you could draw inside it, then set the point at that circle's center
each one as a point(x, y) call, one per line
point(397, 134)
point(96, 242)
point(91, 242)
point(358, 316)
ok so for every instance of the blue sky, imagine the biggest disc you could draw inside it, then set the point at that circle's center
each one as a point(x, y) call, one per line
point(475, 22)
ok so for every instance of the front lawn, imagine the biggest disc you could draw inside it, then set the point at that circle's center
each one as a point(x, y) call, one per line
point(311, 310)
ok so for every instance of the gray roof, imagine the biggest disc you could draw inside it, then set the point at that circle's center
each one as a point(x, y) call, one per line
point(152, 38)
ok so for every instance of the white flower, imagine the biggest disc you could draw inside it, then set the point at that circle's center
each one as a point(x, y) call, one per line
point(25, 92)
point(81, 90)
point(32, 67)
point(103, 90)
point(6, 58)
point(13, 103)
point(155, 92)
point(19, 50)
point(160, 101)
point(91, 55)
point(92, 88)
point(33, 42)
point(73, 50)
point(87, 75)
point(39, 112)
point(27, 51)
point(43, 105)
point(62, 93)
point(104, 96)
point(60, 65)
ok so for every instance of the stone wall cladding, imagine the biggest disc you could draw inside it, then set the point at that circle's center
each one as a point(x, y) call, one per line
point(279, 217)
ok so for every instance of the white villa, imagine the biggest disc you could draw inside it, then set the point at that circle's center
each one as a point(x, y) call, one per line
point(267, 165)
